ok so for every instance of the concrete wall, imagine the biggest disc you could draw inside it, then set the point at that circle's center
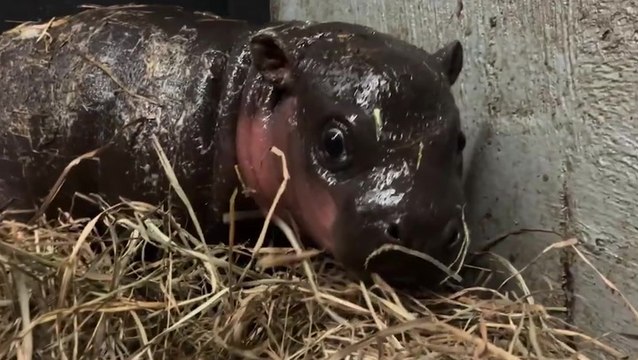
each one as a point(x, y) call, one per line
point(549, 97)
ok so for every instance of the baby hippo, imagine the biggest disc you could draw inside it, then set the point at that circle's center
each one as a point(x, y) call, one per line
point(367, 123)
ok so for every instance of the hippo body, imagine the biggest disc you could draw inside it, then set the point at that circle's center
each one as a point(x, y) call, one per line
point(367, 122)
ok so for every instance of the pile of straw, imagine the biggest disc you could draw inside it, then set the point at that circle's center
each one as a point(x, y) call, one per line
point(62, 298)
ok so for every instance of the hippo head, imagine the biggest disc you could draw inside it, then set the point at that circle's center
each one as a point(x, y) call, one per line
point(372, 139)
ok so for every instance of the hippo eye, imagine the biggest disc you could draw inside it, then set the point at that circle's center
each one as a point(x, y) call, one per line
point(333, 145)
point(334, 142)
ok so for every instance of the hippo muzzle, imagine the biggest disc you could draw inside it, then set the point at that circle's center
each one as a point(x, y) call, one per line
point(419, 210)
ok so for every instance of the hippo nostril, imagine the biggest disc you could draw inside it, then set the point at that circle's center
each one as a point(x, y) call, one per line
point(452, 234)
point(393, 231)
point(453, 239)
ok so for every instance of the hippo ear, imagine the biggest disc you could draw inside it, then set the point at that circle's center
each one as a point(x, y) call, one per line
point(271, 59)
point(450, 57)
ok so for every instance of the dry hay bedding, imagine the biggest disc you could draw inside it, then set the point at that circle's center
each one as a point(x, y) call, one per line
point(61, 299)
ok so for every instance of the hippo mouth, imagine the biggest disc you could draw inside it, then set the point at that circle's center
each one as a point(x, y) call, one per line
point(403, 266)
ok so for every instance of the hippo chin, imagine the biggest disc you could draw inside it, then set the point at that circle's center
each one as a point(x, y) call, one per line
point(367, 122)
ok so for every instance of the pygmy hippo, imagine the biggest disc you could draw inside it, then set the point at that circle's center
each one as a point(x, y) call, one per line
point(367, 123)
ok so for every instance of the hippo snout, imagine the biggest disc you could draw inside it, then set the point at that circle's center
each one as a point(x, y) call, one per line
point(438, 237)
point(413, 237)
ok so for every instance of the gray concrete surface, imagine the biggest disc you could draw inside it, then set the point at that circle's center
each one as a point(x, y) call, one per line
point(549, 97)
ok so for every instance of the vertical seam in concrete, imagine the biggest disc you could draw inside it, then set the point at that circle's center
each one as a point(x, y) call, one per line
point(567, 256)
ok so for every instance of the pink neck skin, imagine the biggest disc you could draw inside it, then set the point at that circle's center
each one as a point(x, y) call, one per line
point(310, 204)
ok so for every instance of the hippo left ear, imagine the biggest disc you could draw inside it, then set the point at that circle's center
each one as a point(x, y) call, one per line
point(450, 57)
point(271, 59)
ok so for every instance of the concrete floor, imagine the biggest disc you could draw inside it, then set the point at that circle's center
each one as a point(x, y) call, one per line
point(549, 97)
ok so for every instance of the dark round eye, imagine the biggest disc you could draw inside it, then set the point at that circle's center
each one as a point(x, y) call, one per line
point(333, 145)
point(461, 142)
point(334, 142)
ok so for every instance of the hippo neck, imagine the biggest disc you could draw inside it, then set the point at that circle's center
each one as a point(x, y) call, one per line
point(233, 104)
point(258, 131)
point(224, 178)
point(268, 121)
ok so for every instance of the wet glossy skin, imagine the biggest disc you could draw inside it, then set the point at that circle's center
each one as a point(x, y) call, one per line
point(225, 96)
point(355, 186)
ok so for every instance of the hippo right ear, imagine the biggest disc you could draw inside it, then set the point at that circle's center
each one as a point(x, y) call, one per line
point(271, 59)
point(450, 57)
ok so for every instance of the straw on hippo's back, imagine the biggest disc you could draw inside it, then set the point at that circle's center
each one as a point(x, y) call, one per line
point(367, 122)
